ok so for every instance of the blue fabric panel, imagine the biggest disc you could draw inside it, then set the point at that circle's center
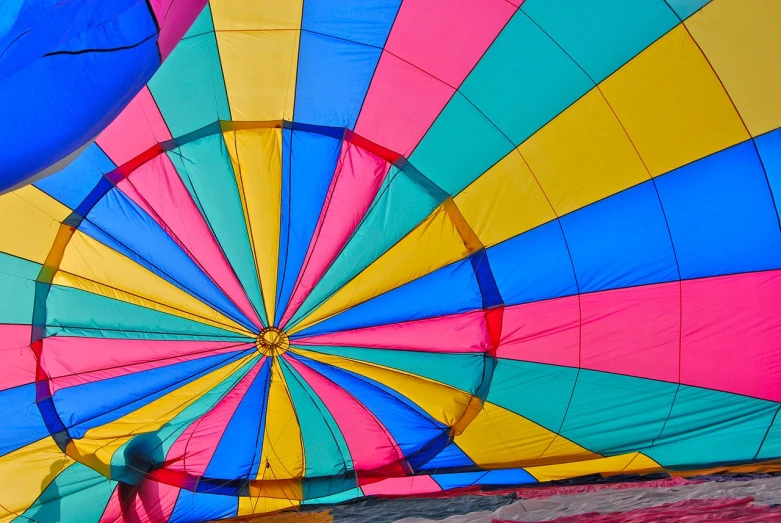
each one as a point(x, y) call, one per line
point(22, 423)
point(47, 62)
point(71, 185)
point(92, 404)
point(238, 452)
point(621, 241)
point(708, 427)
point(409, 425)
point(450, 457)
point(308, 164)
point(194, 507)
point(602, 35)
point(485, 279)
point(120, 223)
point(494, 478)
point(450, 290)
point(533, 266)
point(769, 147)
point(363, 21)
point(333, 77)
point(721, 214)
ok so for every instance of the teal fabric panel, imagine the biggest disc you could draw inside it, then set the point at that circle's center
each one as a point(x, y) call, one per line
point(535, 391)
point(460, 146)
point(17, 279)
point(524, 80)
point(205, 167)
point(602, 35)
point(708, 427)
point(325, 450)
point(73, 312)
point(614, 414)
point(189, 87)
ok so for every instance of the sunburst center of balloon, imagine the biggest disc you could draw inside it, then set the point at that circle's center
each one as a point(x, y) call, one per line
point(272, 342)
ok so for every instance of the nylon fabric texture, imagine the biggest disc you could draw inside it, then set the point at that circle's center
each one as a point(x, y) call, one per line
point(336, 249)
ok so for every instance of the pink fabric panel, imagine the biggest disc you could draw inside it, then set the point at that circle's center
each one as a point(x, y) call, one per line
point(150, 501)
point(157, 188)
point(457, 333)
point(137, 128)
point(17, 358)
point(634, 331)
point(75, 361)
point(432, 47)
point(392, 118)
point(542, 332)
point(199, 441)
point(358, 177)
point(174, 17)
point(732, 334)
point(402, 486)
point(446, 38)
point(371, 446)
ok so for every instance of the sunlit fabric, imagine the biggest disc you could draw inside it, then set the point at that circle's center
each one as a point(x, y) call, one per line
point(67, 69)
point(354, 248)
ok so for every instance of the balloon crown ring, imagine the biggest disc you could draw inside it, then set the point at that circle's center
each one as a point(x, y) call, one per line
point(272, 342)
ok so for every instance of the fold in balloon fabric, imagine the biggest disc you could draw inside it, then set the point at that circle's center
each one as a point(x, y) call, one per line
point(383, 248)
point(67, 69)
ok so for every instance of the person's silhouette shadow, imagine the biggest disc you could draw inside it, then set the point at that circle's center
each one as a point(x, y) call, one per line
point(49, 509)
point(143, 454)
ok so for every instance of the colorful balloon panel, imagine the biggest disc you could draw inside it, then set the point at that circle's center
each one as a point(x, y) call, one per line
point(67, 69)
point(388, 248)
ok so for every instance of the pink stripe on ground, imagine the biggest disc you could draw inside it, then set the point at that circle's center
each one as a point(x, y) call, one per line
point(195, 447)
point(542, 332)
point(466, 332)
point(633, 331)
point(371, 446)
point(17, 358)
point(358, 177)
point(436, 43)
point(401, 486)
point(174, 17)
point(150, 501)
point(157, 188)
point(731, 333)
point(75, 361)
point(137, 128)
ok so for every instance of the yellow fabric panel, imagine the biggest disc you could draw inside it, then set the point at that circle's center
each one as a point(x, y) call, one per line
point(517, 202)
point(441, 402)
point(249, 506)
point(634, 462)
point(583, 155)
point(431, 245)
point(672, 104)
point(260, 73)
point(29, 219)
point(25, 473)
point(98, 445)
point(283, 448)
point(92, 262)
point(742, 41)
point(500, 438)
point(256, 155)
point(241, 15)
